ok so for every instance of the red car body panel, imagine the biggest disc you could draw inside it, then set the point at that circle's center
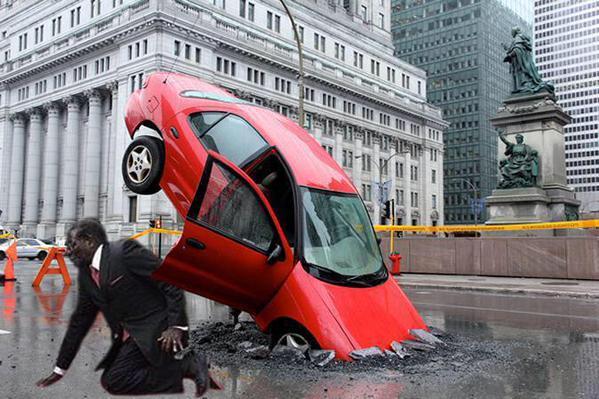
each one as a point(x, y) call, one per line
point(339, 317)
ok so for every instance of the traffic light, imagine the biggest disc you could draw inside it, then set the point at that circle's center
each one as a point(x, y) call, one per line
point(152, 223)
point(388, 209)
point(158, 223)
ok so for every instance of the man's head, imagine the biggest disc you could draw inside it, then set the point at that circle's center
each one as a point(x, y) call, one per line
point(515, 31)
point(519, 138)
point(83, 240)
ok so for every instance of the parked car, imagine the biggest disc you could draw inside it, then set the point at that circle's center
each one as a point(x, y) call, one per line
point(30, 248)
point(273, 225)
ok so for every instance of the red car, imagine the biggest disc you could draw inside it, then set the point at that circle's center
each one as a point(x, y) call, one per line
point(273, 227)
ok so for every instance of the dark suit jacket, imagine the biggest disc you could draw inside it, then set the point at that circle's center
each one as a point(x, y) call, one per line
point(129, 299)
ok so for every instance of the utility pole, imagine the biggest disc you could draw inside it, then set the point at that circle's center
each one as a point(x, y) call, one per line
point(300, 78)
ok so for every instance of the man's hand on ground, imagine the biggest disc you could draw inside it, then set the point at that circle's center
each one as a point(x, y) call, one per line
point(51, 379)
point(171, 339)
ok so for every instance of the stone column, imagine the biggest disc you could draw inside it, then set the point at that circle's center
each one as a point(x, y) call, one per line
point(357, 170)
point(7, 134)
point(425, 186)
point(339, 144)
point(33, 173)
point(407, 188)
point(17, 169)
point(391, 172)
point(47, 227)
point(376, 177)
point(70, 166)
point(91, 189)
point(114, 92)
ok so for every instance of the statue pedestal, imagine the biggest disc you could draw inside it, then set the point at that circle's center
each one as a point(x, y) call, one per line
point(541, 122)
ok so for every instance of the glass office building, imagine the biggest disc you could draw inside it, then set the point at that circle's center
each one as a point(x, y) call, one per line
point(567, 54)
point(459, 44)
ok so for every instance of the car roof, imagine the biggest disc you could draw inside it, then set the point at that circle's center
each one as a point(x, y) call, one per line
point(310, 164)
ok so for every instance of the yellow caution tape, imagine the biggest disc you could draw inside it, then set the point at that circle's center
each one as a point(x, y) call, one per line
point(153, 230)
point(577, 224)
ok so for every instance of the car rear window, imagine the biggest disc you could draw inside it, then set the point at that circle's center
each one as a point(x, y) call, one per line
point(230, 136)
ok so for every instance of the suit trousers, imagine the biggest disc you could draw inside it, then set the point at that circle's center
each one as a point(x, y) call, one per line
point(131, 374)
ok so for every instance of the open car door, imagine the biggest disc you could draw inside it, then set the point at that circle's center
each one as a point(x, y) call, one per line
point(232, 249)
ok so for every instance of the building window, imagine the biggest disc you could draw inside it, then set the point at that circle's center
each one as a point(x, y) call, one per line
point(364, 11)
point(381, 21)
point(269, 20)
point(198, 55)
point(242, 5)
point(301, 34)
point(277, 24)
point(434, 201)
point(433, 176)
point(188, 51)
point(133, 209)
point(251, 12)
point(177, 48)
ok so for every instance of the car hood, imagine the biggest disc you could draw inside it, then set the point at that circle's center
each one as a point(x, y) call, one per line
point(371, 316)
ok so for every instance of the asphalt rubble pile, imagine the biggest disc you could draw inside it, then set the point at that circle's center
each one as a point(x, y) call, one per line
point(244, 345)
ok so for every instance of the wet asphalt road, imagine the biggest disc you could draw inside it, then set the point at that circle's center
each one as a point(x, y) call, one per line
point(552, 345)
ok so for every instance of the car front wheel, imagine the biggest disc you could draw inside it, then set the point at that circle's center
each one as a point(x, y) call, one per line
point(42, 255)
point(142, 166)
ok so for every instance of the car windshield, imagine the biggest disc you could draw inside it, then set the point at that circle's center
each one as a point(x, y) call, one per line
point(339, 242)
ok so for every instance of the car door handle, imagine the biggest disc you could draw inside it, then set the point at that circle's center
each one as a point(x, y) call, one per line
point(192, 242)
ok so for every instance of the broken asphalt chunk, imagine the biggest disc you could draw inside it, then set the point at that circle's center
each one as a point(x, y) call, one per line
point(245, 345)
point(359, 354)
point(321, 357)
point(426, 337)
point(419, 346)
point(436, 331)
point(399, 349)
point(258, 352)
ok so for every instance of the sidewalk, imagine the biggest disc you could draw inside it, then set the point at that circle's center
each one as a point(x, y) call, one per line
point(511, 285)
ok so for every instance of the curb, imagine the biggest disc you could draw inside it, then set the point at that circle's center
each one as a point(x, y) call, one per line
point(500, 290)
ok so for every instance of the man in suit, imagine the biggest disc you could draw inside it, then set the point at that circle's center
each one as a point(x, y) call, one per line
point(147, 318)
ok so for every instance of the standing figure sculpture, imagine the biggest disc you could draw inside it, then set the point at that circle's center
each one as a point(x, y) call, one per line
point(521, 167)
point(525, 76)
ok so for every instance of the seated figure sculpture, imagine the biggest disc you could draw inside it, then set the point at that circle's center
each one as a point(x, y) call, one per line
point(521, 167)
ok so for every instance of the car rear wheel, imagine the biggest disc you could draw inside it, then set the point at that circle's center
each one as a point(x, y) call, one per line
point(42, 255)
point(143, 164)
point(2, 255)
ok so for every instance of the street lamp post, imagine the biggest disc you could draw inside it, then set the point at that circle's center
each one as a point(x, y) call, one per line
point(380, 169)
point(300, 78)
point(473, 187)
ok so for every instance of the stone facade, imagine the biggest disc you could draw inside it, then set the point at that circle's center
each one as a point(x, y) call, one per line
point(66, 75)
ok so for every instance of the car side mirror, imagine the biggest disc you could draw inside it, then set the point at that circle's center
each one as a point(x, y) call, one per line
point(275, 255)
point(379, 240)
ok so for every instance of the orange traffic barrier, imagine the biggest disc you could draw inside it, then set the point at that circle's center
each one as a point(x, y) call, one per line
point(11, 258)
point(57, 254)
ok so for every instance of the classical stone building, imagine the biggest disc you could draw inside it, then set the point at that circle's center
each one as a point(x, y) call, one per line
point(66, 72)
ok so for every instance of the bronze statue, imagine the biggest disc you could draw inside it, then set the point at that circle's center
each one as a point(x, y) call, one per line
point(525, 76)
point(521, 167)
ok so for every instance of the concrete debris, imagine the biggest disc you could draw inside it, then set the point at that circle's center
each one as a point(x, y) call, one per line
point(437, 332)
point(399, 349)
point(238, 327)
point(389, 353)
point(321, 357)
point(426, 337)
point(258, 352)
point(366, 352)
point(245, 345)
point(288, 353)
point(419, 346)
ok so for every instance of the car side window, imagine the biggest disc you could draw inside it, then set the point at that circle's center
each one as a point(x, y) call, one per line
point(230, 206)
point(31, 242)
point(21, 243)
point(230, 136)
